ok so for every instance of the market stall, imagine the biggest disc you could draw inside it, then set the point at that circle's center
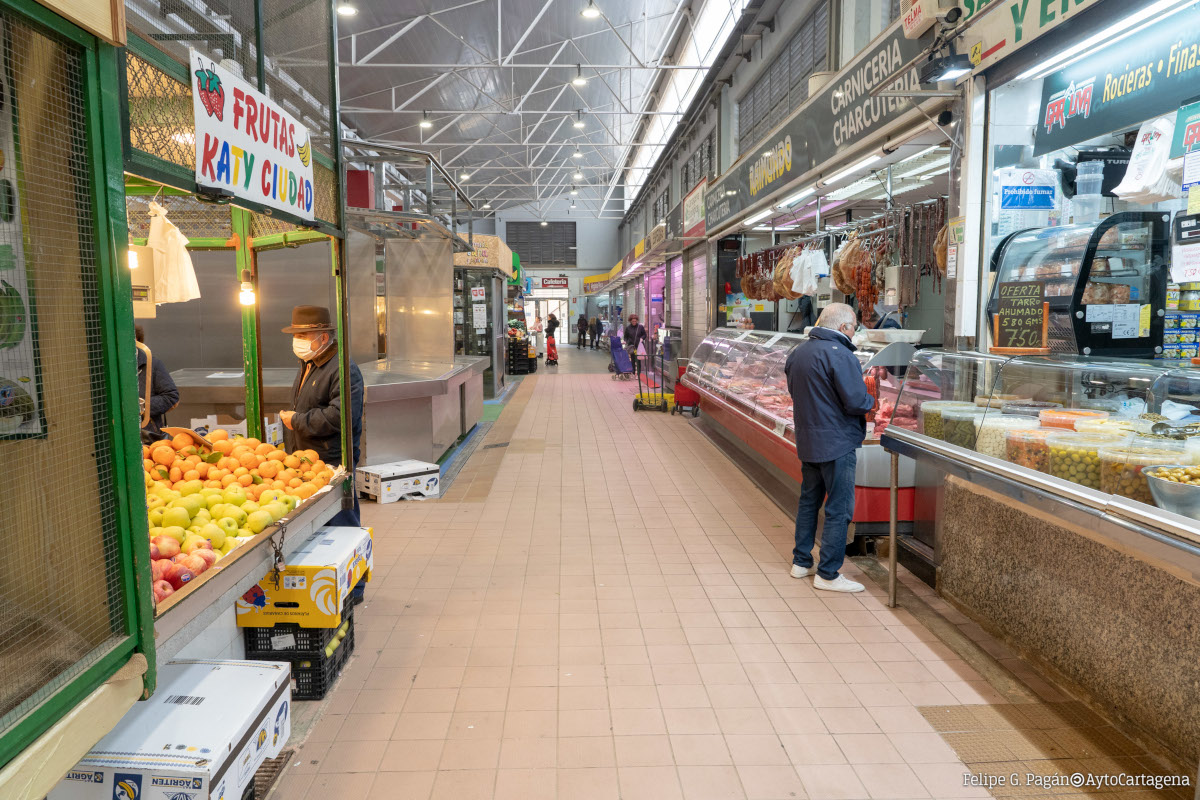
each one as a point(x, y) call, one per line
point(480, 325)
point(1054, 468)
point(747, 408)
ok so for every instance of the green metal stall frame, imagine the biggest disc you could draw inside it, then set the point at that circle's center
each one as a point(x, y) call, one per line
point(100, 64)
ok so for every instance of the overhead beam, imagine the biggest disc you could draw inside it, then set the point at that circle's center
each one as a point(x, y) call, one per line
point(417, 94)
point(525, 35)
point(493, 65)
point(522, 112)
point(388, 41)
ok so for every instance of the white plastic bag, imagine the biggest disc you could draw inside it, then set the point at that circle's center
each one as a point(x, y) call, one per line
point(174, 275)
point(1147, 179)
point(641, 349)
point(809, 265)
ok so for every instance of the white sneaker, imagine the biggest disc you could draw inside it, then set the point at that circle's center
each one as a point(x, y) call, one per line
point(839, 584)
point(802, 572)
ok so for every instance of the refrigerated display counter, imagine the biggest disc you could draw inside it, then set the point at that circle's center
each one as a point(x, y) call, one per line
point(745, 407)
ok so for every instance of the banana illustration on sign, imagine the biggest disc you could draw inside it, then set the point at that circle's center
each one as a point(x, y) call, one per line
point(305, 152)
point(12, 316)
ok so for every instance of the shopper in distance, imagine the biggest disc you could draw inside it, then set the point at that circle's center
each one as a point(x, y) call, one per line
point(635, 334)
point(315, 419)
point(830, 402)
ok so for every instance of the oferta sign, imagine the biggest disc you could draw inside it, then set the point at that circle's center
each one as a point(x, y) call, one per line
point(837, 118)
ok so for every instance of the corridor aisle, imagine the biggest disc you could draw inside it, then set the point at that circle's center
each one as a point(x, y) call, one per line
point(600, 607)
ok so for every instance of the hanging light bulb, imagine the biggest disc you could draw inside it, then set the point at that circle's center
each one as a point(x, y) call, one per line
point(544, 223)
point(577, 153)
point(487, 205)
point(577, 176)
point(574, 190)
point(579, 80)
point(133, 259)
point(578, 119)
point(246, 295)
point(425, 121)
point(346, 9)
point(590, 12)
point(465, 176)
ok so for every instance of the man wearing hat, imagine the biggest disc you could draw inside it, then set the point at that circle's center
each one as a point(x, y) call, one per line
point(315, 421)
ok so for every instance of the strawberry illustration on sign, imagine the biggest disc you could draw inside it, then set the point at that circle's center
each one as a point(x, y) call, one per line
point(210, 91)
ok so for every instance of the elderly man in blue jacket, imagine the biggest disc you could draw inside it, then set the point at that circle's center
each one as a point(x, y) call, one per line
point(829, 402)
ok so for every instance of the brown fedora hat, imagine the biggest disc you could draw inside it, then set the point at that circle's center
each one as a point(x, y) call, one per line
point(309, 319)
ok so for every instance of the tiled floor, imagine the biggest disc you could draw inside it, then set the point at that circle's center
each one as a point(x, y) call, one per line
point(600, 608)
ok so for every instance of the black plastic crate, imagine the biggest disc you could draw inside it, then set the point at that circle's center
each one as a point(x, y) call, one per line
point(265, 641)
point(358, 593)
point(313, 682)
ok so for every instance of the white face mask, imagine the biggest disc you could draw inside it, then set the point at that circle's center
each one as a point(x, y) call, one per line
point(302, 348)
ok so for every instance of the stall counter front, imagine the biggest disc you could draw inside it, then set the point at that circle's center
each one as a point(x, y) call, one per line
point(746, 408)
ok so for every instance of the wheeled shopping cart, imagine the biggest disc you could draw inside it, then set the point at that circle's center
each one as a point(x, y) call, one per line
point(619, 365)
point(650, 396)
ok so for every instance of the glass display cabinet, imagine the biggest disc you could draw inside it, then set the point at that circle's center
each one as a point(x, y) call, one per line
point(1105, 282)
point(1117, 437)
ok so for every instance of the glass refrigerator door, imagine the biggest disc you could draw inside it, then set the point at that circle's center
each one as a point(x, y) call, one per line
point(702, 367)
point(773, 401)
point(728, 354)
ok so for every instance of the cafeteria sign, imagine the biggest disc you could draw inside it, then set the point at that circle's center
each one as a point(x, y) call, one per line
point(246, 144)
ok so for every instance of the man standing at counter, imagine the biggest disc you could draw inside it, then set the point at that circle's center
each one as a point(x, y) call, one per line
point(315, 421)
point(829, 405)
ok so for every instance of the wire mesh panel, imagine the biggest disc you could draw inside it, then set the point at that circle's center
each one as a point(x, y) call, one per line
point(326, 203)
point(61, 603)
point(221, 29)
point(160, 113)
point(194, 218)
point(300, 64)
point(263, 225)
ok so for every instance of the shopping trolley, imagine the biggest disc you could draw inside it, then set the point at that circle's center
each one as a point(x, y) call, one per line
point(686, 398)
point(651, 396)
point(619, 364)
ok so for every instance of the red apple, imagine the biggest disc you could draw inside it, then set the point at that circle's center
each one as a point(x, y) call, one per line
point(154, 554)
point(162, 590)
point(159, 568)
point(195, 563)
point(208, 556)
point(167, 547)
point(178, 575)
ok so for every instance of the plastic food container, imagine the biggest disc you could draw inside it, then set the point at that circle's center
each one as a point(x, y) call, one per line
point(999, 400)
point(1121, 467)
point(960, 425)
point(1075, 457)
point(990, 438)
point(1067, 417)
point(1028, 408)
point(931, 415)
point(1026, 447)
point(1122, 427)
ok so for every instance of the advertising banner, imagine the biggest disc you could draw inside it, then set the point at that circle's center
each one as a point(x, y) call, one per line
point(1010, 25)
point(837, 118)
point(1149, 74)
point(693, 211)
point(246, 144)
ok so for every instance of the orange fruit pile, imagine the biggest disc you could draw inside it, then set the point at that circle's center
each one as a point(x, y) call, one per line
point(248, 462)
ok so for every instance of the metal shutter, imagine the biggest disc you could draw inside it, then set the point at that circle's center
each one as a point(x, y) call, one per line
point(675, 282)
point(697, 301)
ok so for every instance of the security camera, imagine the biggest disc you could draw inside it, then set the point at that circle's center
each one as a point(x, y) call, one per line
point(950, 16)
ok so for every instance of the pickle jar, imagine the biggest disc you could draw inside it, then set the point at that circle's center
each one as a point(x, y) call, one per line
point(1028, 408)
point(990, 439)
point(1067, 417)
point(1026, 447)
point(931, 415)
point(1075, 457)
point(1121, 466)
point(960, 425)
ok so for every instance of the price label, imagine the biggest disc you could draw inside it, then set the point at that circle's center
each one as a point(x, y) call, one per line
point(773, 340)
point(282, 641)
point(1021, 314)
point(780, 427)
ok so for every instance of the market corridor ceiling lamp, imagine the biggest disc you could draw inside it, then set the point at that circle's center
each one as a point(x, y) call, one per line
point(1151, 14)
point(749, 222)
point(574, 190)
point(544, 223)
point(464, 176)
point(347, 9)
point(578, 176)
point(945, 68)
point(577, 153)
point(579, 80)
point(426, 122)
point(846, 173)
point(578, 119)
point(486, 206)
point(590, 11)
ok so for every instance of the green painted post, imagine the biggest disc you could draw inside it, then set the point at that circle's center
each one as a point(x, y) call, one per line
point(336, 247)
point(251, 342)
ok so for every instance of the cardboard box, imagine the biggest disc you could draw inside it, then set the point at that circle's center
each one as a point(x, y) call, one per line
point(272, 431)
point(314, 585)
point(387, 483)
point(202, 735)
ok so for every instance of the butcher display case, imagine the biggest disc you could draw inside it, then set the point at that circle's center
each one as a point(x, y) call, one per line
point(1105, 282)
point(746, 406)
point(1112, 444)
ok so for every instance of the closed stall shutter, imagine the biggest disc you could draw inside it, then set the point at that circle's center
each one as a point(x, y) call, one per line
point(697, 309)
point(675, 309)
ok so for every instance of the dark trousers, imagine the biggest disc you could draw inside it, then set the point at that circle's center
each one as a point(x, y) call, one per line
point(348, 518)
point(830, 483)
point(581, 340)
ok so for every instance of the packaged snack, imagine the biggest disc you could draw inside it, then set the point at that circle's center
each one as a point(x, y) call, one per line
point(1076, 456)
point(1027, 447)
point(990, 437)
point(931, 415)
point(1066, 417)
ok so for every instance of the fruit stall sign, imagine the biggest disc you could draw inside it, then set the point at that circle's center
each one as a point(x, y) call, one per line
point(248, 145)
point(21, 413)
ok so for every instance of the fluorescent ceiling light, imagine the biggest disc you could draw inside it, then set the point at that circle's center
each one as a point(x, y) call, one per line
point(946, 68)
point(846, 173)
point(749, 221)
point(798, 196)
point(915, 156)
point(929, 175)
point(776, 228)
point(1152, 14)
point(591, 12)
point(346, 9)
point(923, 168)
